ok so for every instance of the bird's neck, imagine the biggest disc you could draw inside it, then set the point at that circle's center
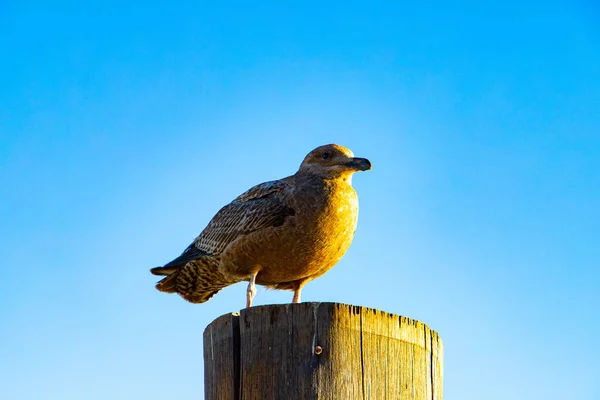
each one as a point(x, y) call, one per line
point(343, 178)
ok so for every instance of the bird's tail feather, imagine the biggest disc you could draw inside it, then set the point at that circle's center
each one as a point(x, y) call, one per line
point(168, 284)
point(196, 281)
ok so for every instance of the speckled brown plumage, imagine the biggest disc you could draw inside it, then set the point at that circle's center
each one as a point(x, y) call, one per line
point(280, 234)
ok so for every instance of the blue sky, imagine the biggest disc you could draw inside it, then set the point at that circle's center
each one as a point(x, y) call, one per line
point(125, 127)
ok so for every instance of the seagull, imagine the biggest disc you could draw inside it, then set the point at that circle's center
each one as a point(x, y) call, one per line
point(280, 234)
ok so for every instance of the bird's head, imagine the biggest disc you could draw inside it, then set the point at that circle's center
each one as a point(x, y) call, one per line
point(333, 161)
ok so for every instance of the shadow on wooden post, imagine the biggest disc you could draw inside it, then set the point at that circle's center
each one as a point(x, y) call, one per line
point(321, 351)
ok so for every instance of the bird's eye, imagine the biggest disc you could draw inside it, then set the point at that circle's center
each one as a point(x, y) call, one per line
point(326, 156)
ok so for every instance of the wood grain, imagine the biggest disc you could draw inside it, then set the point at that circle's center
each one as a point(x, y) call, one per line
point(321, 351)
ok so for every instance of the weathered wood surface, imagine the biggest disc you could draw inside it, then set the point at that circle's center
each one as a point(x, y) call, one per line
point(321, 351)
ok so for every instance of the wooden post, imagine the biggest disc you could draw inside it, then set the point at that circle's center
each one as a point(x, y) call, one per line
point(321, 351)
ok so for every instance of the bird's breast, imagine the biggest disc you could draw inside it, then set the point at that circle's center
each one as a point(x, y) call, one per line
point(309, 243)
point(321, 231)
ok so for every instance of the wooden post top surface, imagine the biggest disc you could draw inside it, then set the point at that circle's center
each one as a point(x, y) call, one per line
point(321, 351)
point(365, 312)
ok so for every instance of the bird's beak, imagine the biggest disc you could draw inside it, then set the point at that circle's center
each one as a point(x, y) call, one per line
point(359, 164)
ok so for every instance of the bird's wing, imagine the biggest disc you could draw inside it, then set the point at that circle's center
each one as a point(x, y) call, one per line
point(261, 207)
point(190, 254)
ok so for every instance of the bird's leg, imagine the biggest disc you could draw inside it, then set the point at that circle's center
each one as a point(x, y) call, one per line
point(251, 292)
point(296, 298)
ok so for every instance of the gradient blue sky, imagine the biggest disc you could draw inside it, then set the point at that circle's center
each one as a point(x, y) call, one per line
point(125, 126)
